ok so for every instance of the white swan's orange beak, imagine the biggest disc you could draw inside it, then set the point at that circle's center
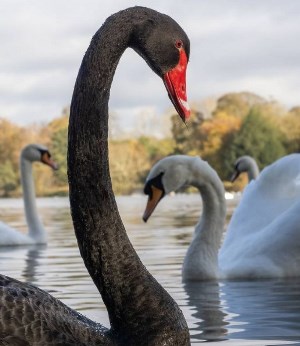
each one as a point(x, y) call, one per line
point(175, 82)
point(153, 200)
point(46, 159)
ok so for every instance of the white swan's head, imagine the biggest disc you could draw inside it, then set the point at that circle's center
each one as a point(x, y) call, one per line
point(243, 164)
point(171, 174)
point(39, 153)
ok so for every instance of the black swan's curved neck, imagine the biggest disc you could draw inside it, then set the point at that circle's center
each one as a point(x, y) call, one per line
point(139, 308)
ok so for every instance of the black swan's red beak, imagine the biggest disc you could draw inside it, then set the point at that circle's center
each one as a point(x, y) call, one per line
point(175, 82)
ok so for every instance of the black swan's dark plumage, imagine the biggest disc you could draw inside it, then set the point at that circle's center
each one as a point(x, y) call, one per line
point(141, 312)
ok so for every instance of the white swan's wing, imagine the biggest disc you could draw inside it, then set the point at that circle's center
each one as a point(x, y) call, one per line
point(272, 252)
point(10, 236)
point(275, 190)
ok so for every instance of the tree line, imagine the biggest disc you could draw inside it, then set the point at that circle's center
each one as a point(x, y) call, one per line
point(240, 124)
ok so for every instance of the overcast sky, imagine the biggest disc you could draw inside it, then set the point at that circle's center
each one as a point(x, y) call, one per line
point(236, 45)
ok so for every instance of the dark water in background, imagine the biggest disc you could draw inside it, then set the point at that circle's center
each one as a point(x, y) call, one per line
point(233, 312)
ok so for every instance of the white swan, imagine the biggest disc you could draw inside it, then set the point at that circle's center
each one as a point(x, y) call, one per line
point(36, 232)
point(245, 164)
point(263, 238)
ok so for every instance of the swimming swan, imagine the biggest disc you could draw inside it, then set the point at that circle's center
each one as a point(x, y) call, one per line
point(36, 232)
point(141, 312)
point(245, 164)
point(262, 239)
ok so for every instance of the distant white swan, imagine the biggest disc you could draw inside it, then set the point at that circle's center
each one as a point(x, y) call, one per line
point(245, 164)
point(263, 238)
point(36, 232)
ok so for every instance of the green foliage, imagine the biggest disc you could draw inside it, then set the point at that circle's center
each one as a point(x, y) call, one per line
point(290, 127)
point(238, 104)
point(8, 178)
point(156, 149)
point(188, 139)
point(59, 143)
point(59, 153)
point(257, 137)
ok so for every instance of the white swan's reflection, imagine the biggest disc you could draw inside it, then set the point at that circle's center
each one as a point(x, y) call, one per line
point(31, 260)
point(205, 296)
point(264, 310)
point(23, 262)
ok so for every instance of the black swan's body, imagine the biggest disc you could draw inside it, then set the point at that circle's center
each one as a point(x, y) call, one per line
point(141, 312)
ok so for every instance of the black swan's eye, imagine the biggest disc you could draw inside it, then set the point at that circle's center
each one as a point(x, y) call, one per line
point(178, 44)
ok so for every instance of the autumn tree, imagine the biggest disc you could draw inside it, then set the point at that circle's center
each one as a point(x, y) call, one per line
point(9, 179)
point(10, 147)
point(11, 142)
point(238, 104)
point(290, 127)
point(216, 132)
point(257, 137)
point(155, 148)
point(127, 162)
point(241, 123)
point(59, 138)
point(188, 139)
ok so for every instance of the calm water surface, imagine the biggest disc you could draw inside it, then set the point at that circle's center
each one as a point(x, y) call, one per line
point(225, 313)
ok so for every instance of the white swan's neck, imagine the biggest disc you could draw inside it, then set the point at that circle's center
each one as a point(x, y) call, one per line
point(253, 171)
point(35, 226)
point(201, 261)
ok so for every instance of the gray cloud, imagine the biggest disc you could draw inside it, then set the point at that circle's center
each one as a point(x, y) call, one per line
point(236, 45)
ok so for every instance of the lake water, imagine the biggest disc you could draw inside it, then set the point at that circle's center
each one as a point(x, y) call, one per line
point(225, 313)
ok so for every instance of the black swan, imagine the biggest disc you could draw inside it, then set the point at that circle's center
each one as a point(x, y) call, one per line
point(141, 312)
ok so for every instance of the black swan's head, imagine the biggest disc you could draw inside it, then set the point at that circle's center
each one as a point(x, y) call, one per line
point(166, 48)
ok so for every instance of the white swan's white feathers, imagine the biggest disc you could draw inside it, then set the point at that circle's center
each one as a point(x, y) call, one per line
point(10, 236)
point(263, 236)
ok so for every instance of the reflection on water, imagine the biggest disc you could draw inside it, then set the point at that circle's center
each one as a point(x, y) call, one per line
point(246, 310)
point(233, 312)
point(211, 323)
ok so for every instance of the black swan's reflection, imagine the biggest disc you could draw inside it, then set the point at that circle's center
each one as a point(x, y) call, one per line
point(205, 296)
